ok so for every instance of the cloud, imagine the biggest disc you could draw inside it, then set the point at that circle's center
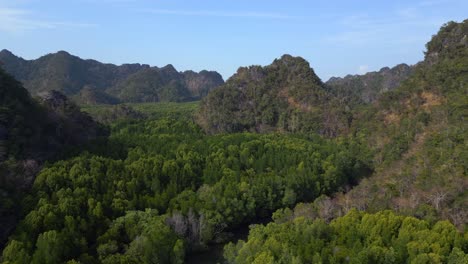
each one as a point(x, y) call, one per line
point(208, 13)
point(13, 20)
point(368, 29)
point(363, 69)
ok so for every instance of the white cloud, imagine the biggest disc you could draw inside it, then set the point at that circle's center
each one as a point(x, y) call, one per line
point(363, 69)
point(207, 13)
point(13, 20)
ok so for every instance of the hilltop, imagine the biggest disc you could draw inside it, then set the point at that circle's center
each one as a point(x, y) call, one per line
point(284, 96)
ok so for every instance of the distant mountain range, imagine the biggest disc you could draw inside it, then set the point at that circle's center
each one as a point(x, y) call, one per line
point(93, 82)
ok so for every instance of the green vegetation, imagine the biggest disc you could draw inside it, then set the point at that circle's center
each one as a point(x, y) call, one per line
point(94, 207)
point(92, 82)
point(32, 131)
point(284, 96)
point(357, 237)
point(21, 128)
point(418, 135)
point(171, 179)
point(416, 132)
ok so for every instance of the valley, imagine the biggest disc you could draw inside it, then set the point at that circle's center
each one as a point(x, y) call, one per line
point(140, 164)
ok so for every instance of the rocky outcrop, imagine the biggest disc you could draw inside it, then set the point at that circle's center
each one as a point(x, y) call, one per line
point(452, 37)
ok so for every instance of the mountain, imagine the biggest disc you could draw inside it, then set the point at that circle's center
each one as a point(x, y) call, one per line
point(31, 132)
point(363, 89)
point(412, 118)
point(284, 96)
point(418, 135)
point(160, 190)
point(93, 82)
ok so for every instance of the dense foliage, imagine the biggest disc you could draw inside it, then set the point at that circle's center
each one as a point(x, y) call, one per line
point(160, 187)
point(94, 207)
point(416, 131)
point(32, 131)
point(92, 82)
point(418, 135)
point(354, 238)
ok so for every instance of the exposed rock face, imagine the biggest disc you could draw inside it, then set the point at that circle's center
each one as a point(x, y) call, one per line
point(89, 81)
point(366, 88)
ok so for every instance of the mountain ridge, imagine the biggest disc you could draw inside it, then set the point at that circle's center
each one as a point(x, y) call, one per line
point(71, 74)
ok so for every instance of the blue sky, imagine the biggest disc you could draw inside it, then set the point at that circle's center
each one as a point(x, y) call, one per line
point(336, 37)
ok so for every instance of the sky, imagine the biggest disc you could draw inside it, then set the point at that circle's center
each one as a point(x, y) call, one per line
point(336, 37)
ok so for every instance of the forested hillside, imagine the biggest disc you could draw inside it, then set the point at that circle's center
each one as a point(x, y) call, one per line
point(284, 96)
point(344, 174)
point(32, 131)
point(418, 133)
point(418, 138)
point(93, 82)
